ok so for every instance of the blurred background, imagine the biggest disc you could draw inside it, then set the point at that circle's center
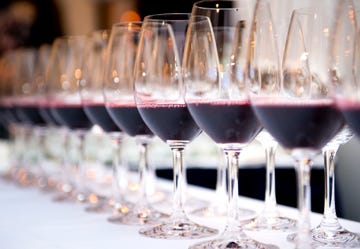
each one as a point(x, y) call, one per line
point(35, 22)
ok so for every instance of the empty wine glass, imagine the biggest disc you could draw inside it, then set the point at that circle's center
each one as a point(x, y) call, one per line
point(297, 111)
point(159, 99)
point(120, 104)
point(222, 110)
point(264, 52)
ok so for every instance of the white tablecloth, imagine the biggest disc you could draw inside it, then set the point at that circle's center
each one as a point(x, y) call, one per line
point(29, 219)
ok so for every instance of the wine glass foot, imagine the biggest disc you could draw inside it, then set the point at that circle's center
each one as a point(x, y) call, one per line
point(219, 211)
point(271, 223)
point(340, 238)
point(182, 229)
point(102, 206)
point(233, 243)
point(81, 197)
point(137, 216)
point(62, 197)
point(46, 185)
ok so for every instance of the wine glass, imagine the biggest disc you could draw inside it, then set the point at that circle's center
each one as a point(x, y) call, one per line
point(263, 28)
point(64, 76)
point(57, 133)
point(344, 54)
point(91, 91)
point(297, 111)
point(9, 118)
point(26, 110)
point(224, 17)
point(224, 113)
point(49, 160)
point(179, 23)
point(159, 99)
point(120, 104)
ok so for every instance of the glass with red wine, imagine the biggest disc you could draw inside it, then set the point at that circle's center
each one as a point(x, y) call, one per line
point(159, 99)
point(9, 117)
point(263, 46)
point(120, 104)
point(344, 74)
point(63, 77)
point(221, 108)
point(91, 91)
point(298, 111)
point(26, 110)
point(224, 17)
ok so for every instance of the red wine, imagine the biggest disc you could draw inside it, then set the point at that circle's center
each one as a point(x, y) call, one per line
point(307, 125)
point(46, 114)
point(7, 115)
point(71, 116)
point(29, 114)
point(226, 122)
point(98, 114)
point(127, 117)
point(170, 121)
point(351, 112)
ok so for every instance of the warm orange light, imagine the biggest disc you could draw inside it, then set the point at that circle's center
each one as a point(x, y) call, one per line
point(130, 16)
point(93, 198)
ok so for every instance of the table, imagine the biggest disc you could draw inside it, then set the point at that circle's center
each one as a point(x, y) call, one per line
point(30, 219)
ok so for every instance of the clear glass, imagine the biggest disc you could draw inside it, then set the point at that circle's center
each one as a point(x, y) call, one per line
point(270, 217)
point(221, 109)
point(64, 76)
point(26, 111)
point(120, 103)
point(224, 17)
point(91, 92)
point(48, 168)
point(8, 114)
point(159, 99)
point(344, 74)
point(303, 96)
point(330, 231)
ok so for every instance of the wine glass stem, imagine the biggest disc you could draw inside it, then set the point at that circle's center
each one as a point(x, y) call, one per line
point(67, 181)
point(329, 216)
point(144, 170)
point(221, 190)
point(40, 135)
point(80, 164)
point(119, 182)
point(179, 181)
point(270, 191)
point(233, 217)
point(304, 203)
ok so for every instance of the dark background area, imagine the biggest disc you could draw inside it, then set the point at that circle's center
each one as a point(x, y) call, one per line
point(252, 184)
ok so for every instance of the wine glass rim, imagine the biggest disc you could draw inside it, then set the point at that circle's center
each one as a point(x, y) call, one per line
point(171, 16)
point(129, 24)
point(306, 11)
point(203, 4)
